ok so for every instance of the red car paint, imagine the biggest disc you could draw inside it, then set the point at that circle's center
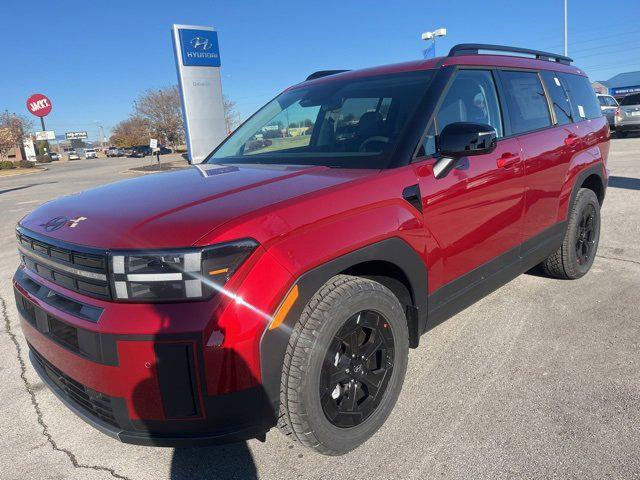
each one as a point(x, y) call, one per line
point(302, 217)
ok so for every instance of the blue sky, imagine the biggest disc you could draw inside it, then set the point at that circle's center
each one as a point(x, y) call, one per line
point(93, 58)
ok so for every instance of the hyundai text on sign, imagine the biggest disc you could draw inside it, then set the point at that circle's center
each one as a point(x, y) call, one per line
point(39, 105)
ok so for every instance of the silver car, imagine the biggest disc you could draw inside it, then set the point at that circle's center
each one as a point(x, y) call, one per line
point(608, 105)
point(627, 115)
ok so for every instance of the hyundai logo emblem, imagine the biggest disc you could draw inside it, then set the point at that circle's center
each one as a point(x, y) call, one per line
point(55, 224)
point(201, 43)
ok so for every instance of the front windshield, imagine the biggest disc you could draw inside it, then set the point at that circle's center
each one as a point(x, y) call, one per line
point(342, 123)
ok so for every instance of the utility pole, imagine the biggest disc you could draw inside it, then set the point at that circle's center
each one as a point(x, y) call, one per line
point(566, 45)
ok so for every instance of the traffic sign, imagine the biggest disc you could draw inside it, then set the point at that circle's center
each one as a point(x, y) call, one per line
point(153, 143)
point(39, 105)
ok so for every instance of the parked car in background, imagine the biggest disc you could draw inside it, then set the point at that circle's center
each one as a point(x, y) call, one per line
point(284, 285)
point(90, 153)
point(140, 151)
point(164, 150)
point(73, 155)
point(627, 116)
point(114, 152)
point(608, 105)
point(54, 156)
point(127, 152)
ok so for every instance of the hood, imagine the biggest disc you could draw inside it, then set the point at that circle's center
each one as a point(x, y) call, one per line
point(175, 209)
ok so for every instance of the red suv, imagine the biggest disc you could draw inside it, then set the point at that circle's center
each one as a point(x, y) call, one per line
point(284, 280)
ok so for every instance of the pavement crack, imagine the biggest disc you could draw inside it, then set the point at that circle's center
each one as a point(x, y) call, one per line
point(626, 260)
point(30, 390)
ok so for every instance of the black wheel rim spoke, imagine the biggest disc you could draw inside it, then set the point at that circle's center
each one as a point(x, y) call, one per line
point(586, 233)
point(356, 369)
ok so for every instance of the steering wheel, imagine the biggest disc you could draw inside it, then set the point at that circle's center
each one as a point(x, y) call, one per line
point(377, 138)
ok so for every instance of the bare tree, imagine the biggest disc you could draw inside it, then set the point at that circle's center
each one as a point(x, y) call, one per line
point(13, 129)
point(231, 116)
point(133, 131)
point(161, 109)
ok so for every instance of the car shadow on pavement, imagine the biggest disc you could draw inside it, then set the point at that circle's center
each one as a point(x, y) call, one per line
point(233, 461)
point(628, 183)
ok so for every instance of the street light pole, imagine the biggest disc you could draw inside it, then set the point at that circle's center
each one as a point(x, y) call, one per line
point(440, 32)
point(566, 45)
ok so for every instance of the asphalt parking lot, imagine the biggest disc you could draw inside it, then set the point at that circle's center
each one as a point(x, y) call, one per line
point(541, 379)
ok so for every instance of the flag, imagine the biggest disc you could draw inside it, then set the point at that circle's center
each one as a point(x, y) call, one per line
point(429, 52)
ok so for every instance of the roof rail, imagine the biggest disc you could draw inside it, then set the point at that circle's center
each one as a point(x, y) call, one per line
point(324, 73)
point(474, 48)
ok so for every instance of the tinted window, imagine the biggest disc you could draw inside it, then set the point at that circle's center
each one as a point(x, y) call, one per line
point(607, 101)
point(583, 98)
point(353, 122)
point(471, 98)
point(631, 100)
point(528, 108)
point(558, 97)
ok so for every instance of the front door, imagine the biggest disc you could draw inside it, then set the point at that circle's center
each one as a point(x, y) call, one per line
point(475, 213)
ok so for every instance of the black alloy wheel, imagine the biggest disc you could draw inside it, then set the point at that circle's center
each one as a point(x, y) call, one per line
point(585, 239)
point(356, 369)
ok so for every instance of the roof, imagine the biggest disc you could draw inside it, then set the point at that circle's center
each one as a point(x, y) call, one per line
point(432, 63)
point(628, 79)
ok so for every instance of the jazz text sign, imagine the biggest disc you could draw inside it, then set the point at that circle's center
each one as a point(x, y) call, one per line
point(39, 105)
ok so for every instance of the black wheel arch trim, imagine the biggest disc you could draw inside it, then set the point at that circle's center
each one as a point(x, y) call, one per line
point(582, 176)
point(396, 251)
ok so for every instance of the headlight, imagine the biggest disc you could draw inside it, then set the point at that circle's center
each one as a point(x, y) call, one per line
point(172, 275)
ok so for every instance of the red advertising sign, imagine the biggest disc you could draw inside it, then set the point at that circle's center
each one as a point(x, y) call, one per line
point(39, 105)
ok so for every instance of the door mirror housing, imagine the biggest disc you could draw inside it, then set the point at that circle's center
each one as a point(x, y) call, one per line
point(463, 139)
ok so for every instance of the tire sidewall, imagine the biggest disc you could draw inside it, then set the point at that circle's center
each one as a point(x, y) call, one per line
point(586, 198)
point(341, 440)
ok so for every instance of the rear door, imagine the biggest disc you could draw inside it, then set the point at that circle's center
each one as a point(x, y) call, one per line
point(546, 134)
point(475, 212)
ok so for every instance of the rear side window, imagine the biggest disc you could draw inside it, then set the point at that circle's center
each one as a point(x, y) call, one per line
point(631, 99)
point(558, 97)
point(607, 101)
point(583, 99)
point(528, 108)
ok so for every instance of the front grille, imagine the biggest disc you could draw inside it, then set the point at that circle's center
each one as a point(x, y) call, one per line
point(93, 402)
point(65, 264)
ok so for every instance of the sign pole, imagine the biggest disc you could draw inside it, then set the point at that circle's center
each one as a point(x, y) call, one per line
point(46, 142)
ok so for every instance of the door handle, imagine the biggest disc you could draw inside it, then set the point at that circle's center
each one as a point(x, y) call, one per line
point(572, 137)
point(507, 159)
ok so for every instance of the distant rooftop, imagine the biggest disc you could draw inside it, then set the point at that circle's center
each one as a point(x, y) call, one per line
point(622, 80)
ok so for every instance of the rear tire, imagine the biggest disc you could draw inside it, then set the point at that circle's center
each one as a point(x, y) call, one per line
point(575, 257)
point(344, 366)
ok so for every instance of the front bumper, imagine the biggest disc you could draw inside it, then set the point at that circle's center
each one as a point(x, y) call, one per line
point(105, 422)
point(160, 389)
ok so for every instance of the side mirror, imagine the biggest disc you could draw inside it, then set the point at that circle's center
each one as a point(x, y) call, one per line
point(463, 139)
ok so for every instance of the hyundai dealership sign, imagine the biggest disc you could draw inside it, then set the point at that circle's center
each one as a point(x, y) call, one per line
point(199, 48)
point(198, 62)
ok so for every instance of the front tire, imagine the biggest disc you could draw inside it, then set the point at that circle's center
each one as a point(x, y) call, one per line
point(344, 366)
point(575, 257)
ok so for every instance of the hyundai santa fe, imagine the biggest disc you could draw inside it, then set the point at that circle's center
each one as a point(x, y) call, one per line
point(283, 281)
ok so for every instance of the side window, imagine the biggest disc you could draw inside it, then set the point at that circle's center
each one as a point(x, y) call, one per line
point(583, 99)
point(528, 108)
point(471, 98)
point(558, 97)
